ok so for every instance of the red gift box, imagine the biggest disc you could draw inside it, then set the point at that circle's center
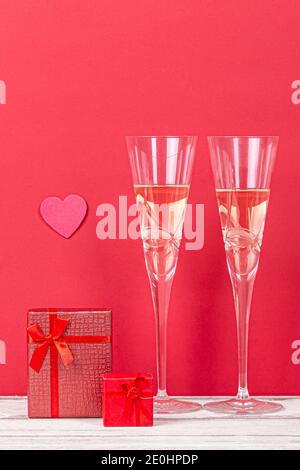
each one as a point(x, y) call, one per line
point(127, 399)
point(69, 350)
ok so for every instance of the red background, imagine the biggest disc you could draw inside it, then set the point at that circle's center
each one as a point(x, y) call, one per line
point(82, 74)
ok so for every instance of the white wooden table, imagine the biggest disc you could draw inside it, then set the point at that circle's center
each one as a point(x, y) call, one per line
point(199, 430)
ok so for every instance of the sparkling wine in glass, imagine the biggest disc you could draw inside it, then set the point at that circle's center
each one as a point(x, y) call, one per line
point(242, 214)
point(162, 210)
point(242, 168)
point(161, 169)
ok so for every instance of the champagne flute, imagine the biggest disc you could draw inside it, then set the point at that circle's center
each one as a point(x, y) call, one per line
point(161, 168)
point(242, 168)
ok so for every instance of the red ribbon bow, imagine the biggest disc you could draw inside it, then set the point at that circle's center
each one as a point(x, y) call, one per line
point(134, 395)
point(55, 338)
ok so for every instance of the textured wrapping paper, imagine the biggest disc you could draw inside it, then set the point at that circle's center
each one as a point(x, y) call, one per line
point(69, 380)
point(127, 399)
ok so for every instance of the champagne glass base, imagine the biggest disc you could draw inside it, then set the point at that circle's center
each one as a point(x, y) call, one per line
point(172, 406)
point(249, 406)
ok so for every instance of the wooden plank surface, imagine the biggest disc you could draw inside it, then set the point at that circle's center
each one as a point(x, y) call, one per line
point(199, 430)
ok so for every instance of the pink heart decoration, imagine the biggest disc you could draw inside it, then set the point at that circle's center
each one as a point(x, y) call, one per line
point(64, 216)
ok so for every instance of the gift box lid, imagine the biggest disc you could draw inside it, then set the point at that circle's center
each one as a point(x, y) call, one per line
point(68, 310)
point(126, 375)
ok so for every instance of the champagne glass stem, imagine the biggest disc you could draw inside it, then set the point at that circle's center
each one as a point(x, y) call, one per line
point(242, 292)
point(161, 290)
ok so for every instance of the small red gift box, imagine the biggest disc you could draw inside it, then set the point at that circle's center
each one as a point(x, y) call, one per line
point(127, 399)
point(68, 352)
